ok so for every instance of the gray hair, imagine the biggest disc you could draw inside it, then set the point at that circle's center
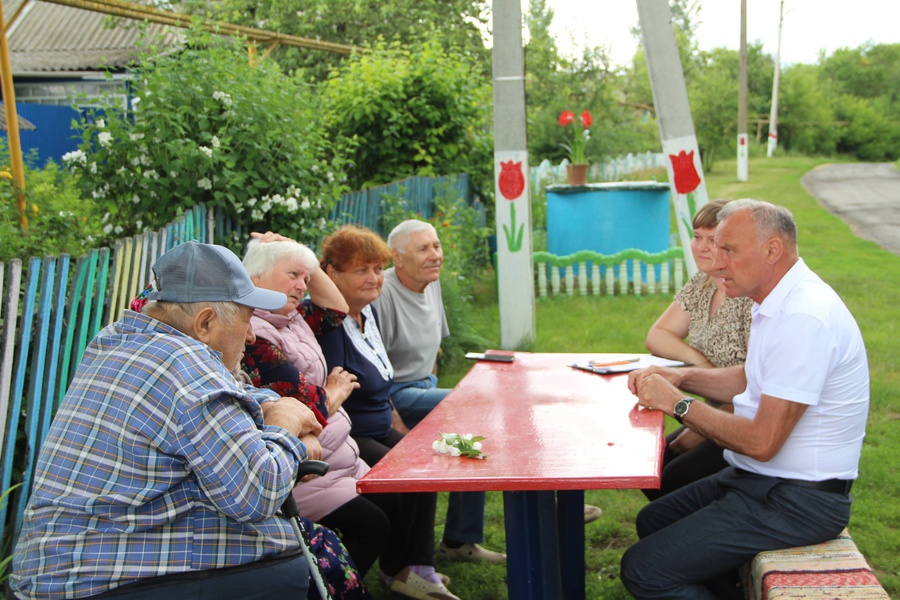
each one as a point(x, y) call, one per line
point(399, 236)
point(179, 314)
point(261, 257)
point(770, 220)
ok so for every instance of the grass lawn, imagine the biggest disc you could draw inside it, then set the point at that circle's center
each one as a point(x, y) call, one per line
point(866, 277)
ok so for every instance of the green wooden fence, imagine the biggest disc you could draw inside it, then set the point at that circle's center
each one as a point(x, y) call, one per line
point(46, 325)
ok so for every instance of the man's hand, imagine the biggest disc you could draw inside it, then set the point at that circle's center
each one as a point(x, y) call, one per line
point(339, 385)
point(291, 414)
point(655, 392)
point(397, 422)
point(669, 374)
point(686, 440)
point(269, 236)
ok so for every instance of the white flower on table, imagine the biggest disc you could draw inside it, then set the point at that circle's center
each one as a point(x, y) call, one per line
point(454, 444)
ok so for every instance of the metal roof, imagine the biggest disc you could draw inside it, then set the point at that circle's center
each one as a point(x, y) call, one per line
point(51, 37)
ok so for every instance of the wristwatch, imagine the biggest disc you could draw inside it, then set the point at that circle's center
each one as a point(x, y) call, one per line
point(681, 408)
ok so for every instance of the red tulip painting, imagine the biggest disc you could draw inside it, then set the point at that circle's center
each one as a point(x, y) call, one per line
point(686, 181)
point(686, 178)
point(511, 183)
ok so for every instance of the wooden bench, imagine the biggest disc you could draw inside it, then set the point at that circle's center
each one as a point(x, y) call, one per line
point(826, 571)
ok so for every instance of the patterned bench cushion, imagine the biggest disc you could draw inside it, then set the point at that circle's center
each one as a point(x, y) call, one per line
point(833, 569)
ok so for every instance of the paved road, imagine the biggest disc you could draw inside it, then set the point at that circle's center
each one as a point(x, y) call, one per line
point(866, 196)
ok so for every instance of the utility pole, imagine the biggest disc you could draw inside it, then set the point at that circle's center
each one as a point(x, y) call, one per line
point(742, 137)
point(773, 115)
point(12, 125)
point(673, 114)
point(515, 268)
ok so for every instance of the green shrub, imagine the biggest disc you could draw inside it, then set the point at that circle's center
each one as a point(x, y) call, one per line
point(209, 127)
point(59, 221)
point(415, 111)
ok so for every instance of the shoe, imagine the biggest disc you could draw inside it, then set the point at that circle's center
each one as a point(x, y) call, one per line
point(470, 552)
point(387, 580)
point(408, 584)
point(591, 513)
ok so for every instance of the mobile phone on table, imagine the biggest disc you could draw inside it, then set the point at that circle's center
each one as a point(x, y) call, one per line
point(507, 358)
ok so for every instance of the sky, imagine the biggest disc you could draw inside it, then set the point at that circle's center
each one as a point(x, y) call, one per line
point(809, 25)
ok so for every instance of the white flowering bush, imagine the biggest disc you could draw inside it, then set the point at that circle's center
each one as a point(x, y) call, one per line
point(207, 127)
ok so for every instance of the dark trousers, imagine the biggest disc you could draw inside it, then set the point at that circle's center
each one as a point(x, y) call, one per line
point(364, 527)
point(412, 517)
point(285, 577)
point(699, 535)
point(678, 470)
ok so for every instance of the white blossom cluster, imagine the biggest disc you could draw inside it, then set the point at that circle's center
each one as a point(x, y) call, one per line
point(100, 193)
point(290, 202)
point(75, 157)
point(222, 97)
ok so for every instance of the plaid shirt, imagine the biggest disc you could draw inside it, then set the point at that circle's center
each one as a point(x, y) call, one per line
point(157, 462)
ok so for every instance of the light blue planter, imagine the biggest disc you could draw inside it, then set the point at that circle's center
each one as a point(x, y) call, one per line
point(608, 217)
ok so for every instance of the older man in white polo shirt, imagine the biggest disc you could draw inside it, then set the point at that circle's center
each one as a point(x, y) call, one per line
point(794, 439)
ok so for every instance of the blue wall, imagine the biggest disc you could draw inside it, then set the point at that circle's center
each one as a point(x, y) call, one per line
point(54, 134)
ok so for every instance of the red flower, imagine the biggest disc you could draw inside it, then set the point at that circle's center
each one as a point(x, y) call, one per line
point(586, 119)
point(686, 178)
point(566, 117)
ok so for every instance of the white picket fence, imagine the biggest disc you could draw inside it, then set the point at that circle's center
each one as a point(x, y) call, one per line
point(629, 272)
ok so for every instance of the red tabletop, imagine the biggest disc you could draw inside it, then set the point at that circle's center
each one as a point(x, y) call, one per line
point(547, 427)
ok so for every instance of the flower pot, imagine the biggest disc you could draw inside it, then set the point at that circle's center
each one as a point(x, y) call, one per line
point(577, 174)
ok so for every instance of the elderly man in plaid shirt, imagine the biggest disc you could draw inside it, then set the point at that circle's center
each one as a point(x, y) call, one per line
point(161, 474)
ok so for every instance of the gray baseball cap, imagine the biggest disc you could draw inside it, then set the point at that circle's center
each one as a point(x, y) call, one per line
point(195, 272)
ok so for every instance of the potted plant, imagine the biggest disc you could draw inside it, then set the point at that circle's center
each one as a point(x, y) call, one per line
point(577, 167)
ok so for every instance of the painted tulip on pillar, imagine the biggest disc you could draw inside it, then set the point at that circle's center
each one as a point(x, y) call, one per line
point(577, 167)
point(512, 183)
point(686, 181)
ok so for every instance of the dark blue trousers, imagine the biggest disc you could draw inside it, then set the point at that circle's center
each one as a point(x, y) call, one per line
point(695, 536)
point(280, 578)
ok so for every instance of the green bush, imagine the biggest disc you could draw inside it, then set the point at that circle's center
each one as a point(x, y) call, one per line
point(59, 221)
point(414, 111)
point(209, 127)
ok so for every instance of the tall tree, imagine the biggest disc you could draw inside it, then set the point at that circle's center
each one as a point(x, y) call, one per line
point(455, 24)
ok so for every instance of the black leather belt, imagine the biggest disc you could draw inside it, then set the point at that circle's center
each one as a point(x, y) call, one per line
point(835, 486)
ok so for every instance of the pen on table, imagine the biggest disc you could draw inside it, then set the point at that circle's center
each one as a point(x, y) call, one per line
point(612, 363)
point(589, 368)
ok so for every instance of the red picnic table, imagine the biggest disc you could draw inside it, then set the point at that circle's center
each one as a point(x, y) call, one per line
point(551, 432)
